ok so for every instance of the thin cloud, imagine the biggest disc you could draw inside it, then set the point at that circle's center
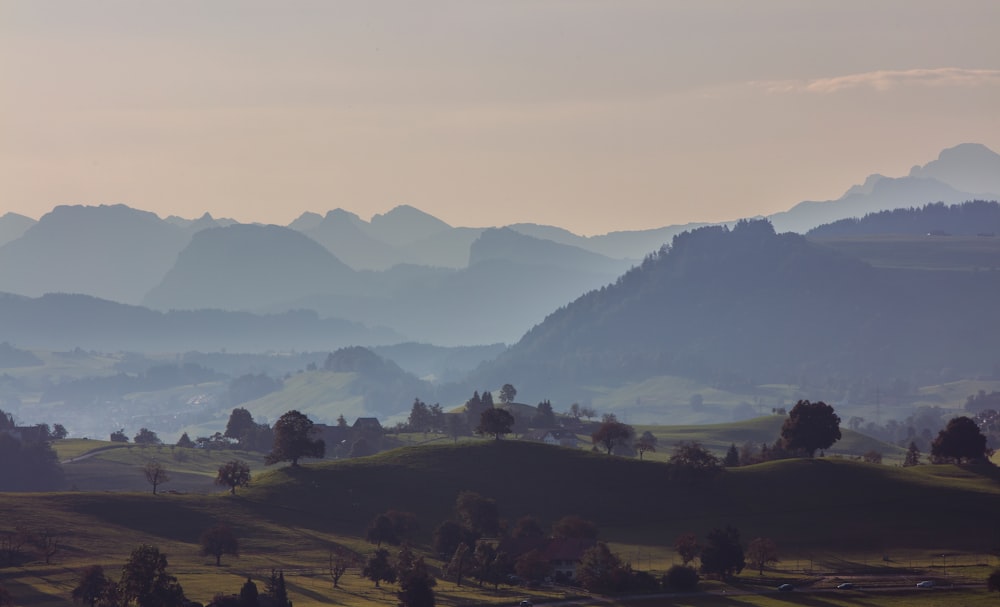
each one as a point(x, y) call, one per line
point(885, 80)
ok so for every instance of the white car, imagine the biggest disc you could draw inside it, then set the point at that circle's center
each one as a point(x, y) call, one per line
point(925, 584)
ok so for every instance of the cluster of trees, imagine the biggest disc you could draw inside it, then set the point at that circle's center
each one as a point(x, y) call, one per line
point(32, 464)
point(722, 554)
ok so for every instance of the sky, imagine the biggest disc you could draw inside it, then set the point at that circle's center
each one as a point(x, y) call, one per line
point(592, 115)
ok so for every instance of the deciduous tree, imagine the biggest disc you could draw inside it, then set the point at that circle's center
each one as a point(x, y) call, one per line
point(234, 473)
point(146, 437)
point(810, 426)
point(602, 571)
point(646, 442)
point(507, 394)
point(495, 422)
point(478, 513)
point(611, 434)
point(960, 441)
point(378, 568)
point(145, 579)
point(293, 440)
point(219, 540)
point(156, 474)
point(722, 554)
point(687, 547)
point(92, 586)
point(760, 552)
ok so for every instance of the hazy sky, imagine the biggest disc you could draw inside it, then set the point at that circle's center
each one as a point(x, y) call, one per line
point(593, 115)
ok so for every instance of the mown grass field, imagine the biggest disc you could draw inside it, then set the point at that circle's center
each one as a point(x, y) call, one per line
point(826, 516)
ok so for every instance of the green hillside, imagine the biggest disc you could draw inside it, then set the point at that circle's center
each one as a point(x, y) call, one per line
point(290, 517)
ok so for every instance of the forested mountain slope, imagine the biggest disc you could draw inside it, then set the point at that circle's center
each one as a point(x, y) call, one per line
point(749, 306)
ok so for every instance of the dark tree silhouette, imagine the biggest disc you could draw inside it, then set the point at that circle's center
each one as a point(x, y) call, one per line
point(145, 436)
point(495, 422)
point(810, 426)
point(234, 473)
point(240, 423)
point(993, 581)
point(92, 586)
point(723, 553)
point(219, 540)
point(378, 568)
point(732, 459)
point(145, 579)
point(602, 571)
point(611, 434)
point(416, 585)
point(156, 474)
point(249, 595)
point(912, 455)
point(960, 441)
point(293, 440)
point(687, 547)
point(693, 456)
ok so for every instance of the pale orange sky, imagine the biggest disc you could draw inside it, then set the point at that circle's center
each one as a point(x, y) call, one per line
point(595, 116)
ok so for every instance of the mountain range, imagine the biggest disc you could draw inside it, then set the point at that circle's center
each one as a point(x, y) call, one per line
point(405, 270)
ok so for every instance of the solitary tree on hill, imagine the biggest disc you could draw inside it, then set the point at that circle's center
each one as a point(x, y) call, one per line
point(495, 422)
point(156, 473)
point(293, 440)
point(611, 434)
point(646, 442)
point(960, 441)
point(234, 473)
point(810, 426)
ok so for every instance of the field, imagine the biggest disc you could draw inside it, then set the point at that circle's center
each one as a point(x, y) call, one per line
point(829, 517)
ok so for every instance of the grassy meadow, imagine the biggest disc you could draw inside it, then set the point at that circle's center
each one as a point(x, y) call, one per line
point(829, 517)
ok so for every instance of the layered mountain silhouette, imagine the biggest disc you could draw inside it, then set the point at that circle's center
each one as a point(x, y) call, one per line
point(249, 267)
point(13, 226)
point(404, 269)
point(115, 252)
point(65, 322)
point(973, 218)
point(748, 306)
point(965, 172)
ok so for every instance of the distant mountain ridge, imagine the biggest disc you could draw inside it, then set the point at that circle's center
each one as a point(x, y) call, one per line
point(64, 322)
point(248, 267)
point(111, 251)
point(977, 217)
point(749, 306)
point(13, 226)
point(965, 172)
